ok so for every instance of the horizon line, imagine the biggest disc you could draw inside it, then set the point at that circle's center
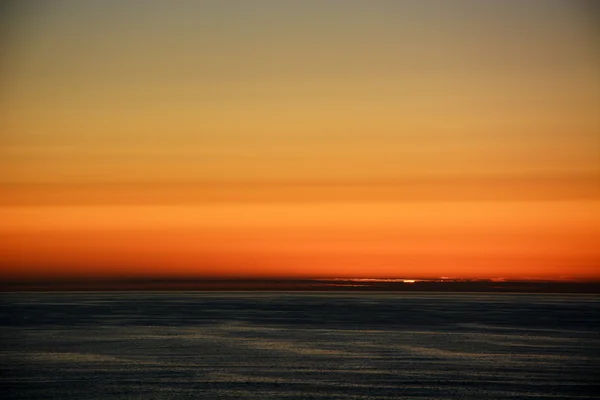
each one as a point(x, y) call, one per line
point(462, 285)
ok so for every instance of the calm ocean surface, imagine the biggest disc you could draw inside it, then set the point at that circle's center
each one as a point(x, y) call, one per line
point(238, 345)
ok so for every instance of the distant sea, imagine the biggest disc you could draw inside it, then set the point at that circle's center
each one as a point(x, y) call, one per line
point(299, 345)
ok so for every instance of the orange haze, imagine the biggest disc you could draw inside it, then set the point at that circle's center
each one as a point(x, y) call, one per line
point(300, 139)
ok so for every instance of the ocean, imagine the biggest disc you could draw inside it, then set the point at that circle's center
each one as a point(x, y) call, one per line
point(299, 345)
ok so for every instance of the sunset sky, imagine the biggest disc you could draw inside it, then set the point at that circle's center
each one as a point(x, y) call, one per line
point(312, 138)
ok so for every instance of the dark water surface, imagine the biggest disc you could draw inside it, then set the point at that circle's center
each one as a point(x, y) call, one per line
point(237, 345)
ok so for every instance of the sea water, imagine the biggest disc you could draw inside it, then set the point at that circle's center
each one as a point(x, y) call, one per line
point(297, 345)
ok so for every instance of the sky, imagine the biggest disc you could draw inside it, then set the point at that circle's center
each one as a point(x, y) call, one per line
point(300, 139)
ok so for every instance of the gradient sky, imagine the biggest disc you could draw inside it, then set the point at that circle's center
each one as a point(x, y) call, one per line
point(300, 138)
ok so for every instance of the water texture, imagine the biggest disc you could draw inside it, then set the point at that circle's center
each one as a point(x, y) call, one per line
point(237, 345)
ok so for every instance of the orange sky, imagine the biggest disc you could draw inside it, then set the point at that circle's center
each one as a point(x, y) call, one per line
point(318, 139)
